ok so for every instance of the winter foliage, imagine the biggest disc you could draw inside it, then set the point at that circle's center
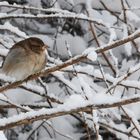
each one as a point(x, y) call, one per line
point(90, 87)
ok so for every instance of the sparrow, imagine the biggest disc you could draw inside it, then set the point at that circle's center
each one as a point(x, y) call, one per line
point(25, 58)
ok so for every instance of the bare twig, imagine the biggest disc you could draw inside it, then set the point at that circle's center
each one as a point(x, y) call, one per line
point(124, 13)
point(98, 44)
point(118, 130)
point(131, 119)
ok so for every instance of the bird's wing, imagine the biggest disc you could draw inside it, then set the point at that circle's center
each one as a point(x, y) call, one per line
point(15, 57)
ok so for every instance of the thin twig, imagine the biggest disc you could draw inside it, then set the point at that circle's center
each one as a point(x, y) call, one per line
point(118, 130)
point(98, 44)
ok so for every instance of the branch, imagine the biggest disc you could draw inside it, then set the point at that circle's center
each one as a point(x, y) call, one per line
point(48, 10)
point(29, 117)
point(110, 79)
point(72, 61)
point(129, 134)
point(98, 44)
point(5, 16)
point(123, 77)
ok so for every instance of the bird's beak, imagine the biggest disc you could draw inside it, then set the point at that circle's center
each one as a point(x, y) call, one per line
point(46, 46)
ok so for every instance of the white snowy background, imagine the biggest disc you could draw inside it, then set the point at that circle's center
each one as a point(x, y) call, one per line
point(94, 99)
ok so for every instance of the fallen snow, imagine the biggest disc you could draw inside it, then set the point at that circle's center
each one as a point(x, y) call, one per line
point(2, 136)
point(8, 26)
point(4, 52)
point(61, 77)
point(91, 54)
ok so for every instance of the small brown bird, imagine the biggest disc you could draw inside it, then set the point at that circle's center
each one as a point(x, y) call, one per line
point(25, 58)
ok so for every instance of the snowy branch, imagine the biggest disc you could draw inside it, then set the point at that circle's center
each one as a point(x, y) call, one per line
point(29, 117)
point(49, 10)
point(4, 16)
point(93, 50)
point(72, 61)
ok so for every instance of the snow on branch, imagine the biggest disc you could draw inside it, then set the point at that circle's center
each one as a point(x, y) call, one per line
point(35, 89)
point(125, 76)
point(11, 28)
point(49, 10)
point(109, 78)
point(72, 61)
point(65, 109)
point(3, 52)
point(4, 16)
point(93, 50)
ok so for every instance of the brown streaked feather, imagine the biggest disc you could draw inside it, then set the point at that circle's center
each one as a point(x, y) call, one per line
point(25, 57)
